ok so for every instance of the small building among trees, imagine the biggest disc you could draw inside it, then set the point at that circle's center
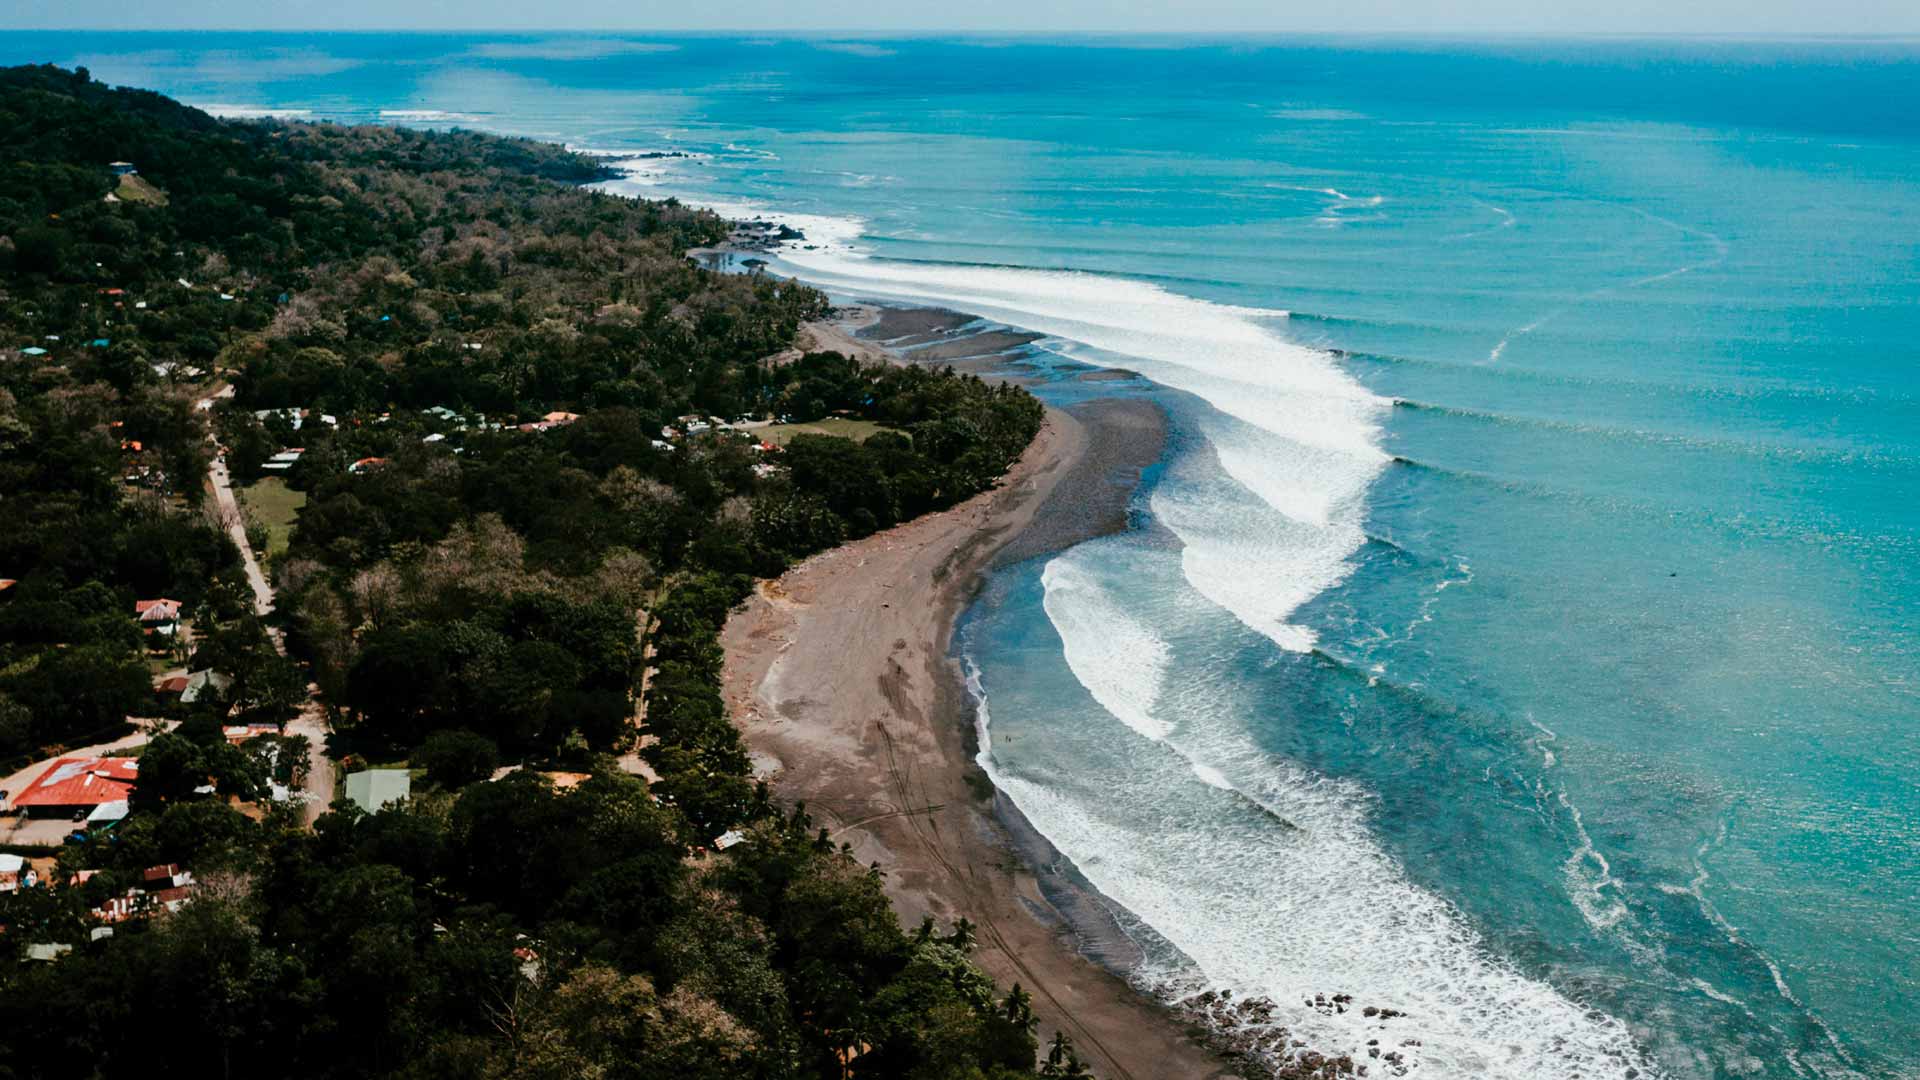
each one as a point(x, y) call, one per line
point(374, 789)
point(73, 785)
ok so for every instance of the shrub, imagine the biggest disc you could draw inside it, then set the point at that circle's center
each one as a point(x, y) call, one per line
point(455, 759)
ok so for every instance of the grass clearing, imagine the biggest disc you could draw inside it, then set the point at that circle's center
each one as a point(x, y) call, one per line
point(857, 430)
point(135, 189)
point(275, 505)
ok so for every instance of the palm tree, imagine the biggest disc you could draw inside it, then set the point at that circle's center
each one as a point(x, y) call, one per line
point(962, 937)
point(1062, 1062)
point(1018, 1008)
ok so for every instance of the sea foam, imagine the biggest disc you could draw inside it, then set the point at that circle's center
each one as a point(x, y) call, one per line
point(1116, 657)
point(1293, 430)
point(1317, 909)
point(251, 112)
point(1265, 876)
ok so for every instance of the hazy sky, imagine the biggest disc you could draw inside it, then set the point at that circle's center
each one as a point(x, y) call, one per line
point(1432, 16)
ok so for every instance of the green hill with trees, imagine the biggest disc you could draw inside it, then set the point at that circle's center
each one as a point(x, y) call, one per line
point(483, 367)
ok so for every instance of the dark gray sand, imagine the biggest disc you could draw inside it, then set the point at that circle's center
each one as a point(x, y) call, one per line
point(969, 346)
point(903, 328)
point(1124, 437)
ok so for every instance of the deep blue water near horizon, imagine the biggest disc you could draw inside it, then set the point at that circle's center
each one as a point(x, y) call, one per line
point(1521, 628)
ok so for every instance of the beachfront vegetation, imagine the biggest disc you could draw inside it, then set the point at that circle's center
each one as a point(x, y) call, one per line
point(478, 362)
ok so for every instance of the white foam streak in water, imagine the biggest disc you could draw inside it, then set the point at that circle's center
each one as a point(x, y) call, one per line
point(426, 116)
point(1220, 353)
point(1246, 544)
point(250, 112)
point(1116, 657)
point(1291, 427)
point(1267, 877)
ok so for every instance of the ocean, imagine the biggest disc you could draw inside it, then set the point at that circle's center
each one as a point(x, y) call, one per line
point(1522, 628)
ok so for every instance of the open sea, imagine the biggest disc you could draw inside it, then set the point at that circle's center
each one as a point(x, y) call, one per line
point(1522, 628)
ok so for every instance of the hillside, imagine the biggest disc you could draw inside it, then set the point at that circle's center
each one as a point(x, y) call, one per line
point(499, 402)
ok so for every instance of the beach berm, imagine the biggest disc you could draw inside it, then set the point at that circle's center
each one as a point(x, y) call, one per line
point(840, 675)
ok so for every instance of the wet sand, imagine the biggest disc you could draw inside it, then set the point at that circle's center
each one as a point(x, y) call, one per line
point(841, 677)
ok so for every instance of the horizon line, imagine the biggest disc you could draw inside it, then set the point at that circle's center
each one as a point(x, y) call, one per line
point(836, 32)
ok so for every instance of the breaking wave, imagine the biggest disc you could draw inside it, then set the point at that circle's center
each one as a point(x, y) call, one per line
point(1265, 877)
point(1298, 436)
point(1269, 882)
point(1119, 659)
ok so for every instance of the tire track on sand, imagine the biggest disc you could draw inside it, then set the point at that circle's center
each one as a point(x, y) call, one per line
point(924, 824)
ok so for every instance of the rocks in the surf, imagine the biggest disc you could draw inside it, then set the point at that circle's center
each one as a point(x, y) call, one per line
point(1247, 1031)
point(761, 235)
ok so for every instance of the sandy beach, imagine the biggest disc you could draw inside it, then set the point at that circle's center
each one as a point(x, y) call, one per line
point(840, 676)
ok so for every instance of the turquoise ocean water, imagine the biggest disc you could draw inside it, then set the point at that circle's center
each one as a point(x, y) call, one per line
point(1522, 630)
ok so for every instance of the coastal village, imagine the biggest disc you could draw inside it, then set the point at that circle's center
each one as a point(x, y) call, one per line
point(1154, 546)
point(82, 794)
point(380, 519)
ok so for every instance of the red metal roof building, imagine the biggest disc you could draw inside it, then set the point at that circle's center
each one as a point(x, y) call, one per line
point(73, 783)
point(157, 611)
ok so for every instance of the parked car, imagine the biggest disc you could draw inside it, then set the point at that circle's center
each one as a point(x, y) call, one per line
point(77, 836)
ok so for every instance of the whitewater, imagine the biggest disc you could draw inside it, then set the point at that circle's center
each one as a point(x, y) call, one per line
point(1264, 876)
point(1649, 317)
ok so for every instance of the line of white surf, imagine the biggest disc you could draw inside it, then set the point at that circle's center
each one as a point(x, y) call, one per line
point(1287, 424)
point(1267, 877)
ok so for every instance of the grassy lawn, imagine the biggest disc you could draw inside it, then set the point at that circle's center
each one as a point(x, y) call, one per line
point(136, 189)
point(273, 504)
point(857, 430)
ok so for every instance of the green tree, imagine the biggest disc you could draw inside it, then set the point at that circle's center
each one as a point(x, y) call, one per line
point(1063, 1062)
point(601, 1023)
point(174, 766)
point(454, 759)
point(87, 691)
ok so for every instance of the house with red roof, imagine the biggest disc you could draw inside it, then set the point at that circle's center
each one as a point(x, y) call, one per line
point(71, 785)
point(161, 888)
point(166, 876)
point(157, 615)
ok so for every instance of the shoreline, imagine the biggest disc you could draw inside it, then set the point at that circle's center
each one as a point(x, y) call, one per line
point(857, 707)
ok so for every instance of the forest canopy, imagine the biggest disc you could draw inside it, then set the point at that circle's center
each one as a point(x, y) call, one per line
point(522, 424)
